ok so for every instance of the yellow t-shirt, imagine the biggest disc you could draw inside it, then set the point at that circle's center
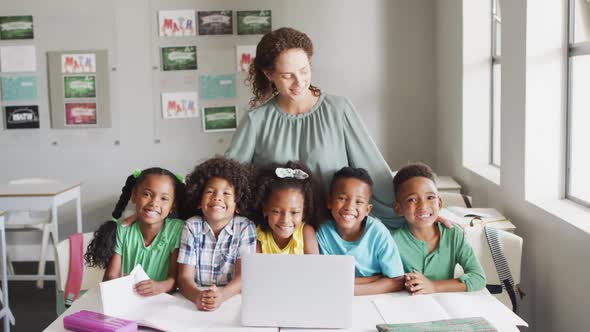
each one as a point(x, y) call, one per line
point(269, 246)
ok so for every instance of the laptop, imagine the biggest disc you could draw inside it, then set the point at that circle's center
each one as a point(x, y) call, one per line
point(306, 291)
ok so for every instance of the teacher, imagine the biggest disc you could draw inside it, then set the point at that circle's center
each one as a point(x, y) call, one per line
point(292, 119)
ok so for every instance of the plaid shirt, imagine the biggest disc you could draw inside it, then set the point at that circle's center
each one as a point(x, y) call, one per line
point(215, 259)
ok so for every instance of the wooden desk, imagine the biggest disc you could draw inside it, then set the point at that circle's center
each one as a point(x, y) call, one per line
point(227, 318)
point(5, 313)
point(42, 196)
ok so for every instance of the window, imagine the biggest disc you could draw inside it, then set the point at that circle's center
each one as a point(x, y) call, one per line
point(578, 110)
point(481, 52)
point(495, 85)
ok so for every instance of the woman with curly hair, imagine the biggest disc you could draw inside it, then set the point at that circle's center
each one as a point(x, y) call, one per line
point(213, 241)
point(292, 119)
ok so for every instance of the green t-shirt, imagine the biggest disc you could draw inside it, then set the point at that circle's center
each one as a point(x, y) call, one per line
point(155, 259)
point(452, 249)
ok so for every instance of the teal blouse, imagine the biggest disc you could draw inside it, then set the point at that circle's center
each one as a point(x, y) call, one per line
point(328, 137)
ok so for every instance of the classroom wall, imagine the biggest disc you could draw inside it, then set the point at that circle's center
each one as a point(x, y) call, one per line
point(378, 53)
point(555, 270)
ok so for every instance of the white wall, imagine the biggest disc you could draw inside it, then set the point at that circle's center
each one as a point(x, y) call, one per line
point(378, 53)
point(555, 270)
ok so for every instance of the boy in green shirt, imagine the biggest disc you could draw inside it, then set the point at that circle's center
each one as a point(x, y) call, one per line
point(428, 250)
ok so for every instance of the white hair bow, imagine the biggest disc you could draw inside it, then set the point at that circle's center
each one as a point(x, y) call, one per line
point(291, 173)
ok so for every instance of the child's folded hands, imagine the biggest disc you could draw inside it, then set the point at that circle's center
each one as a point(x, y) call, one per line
point(210, 299)
point(416, 283)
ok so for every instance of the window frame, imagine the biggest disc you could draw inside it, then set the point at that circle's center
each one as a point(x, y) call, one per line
point(573, 49)
point(496, 60)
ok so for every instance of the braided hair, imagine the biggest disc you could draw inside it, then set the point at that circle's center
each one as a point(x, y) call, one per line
point(267, 182)
point(101, 248)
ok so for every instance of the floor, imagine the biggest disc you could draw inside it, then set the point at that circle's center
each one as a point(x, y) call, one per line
point(33, 309)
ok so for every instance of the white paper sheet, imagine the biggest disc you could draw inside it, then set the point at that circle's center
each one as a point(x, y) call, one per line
point(475, 212)
point(119, 298)
point(481, 303)
point(410, 309)
point(424, 308)
point(14, 59)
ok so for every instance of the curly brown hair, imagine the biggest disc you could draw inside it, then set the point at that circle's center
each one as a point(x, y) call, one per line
point(268, 50)
point(237, 174)
point(267, 181)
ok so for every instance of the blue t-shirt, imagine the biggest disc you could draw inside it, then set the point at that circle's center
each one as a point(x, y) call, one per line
point(374, 253)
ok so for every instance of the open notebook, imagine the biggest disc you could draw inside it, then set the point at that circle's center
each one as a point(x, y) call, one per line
point(166, 312)
point(119, 299)
point(424, 308)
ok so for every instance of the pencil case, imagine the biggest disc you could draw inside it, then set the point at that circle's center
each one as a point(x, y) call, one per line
point(89, 321)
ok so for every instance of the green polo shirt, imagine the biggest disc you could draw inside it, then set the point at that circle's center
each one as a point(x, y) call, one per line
point(154, 259)
point(452, 249)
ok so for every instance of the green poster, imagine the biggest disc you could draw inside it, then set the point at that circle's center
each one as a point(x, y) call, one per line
point(19, 88)
point(219, 118)
point(179, 58)
point(16, 27)
point(254, 22)
point(218, 86)
point(79, 86)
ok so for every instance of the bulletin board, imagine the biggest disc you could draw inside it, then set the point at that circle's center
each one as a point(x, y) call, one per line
point(79, 89)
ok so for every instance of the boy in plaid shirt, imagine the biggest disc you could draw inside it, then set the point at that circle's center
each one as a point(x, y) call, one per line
point(214, 240)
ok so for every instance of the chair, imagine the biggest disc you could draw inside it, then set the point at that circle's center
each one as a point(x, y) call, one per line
point(92, 276)
point(33, 221)
point(512, 248)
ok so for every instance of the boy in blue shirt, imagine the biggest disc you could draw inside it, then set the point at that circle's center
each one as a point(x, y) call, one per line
point(351, 231)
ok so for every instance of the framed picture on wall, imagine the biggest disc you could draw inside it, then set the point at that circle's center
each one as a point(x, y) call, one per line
point(254, 22)
point(78, 63)
point(179, 105)
point(80, 114)
point(224, 118)
point(217, 22)
point(218, 86)
point(245, 55)
point(179, 58)
point(176, 23)
point(16, 27)
point(80, 86)
point(19, 88)
point(22, 117)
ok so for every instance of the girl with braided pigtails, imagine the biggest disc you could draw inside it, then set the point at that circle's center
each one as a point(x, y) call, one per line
point(152, 241)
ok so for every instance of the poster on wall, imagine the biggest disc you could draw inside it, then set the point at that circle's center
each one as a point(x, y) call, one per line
point(22, 117)
point(14, 59)
point(176, 23)
point(254, 22)
point(220, 118)
point(215, 22)
point(78, 63)
point(80, 86)
point(16, 27)
point(245, 55)
point(19, 88)
point(80, 114)
point(217, 86)
point(179, 58)
point(179, 105)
